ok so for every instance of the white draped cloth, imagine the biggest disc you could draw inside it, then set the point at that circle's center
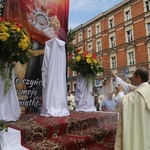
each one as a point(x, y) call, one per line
point(9, 104)
point(83, 97)
point(54, 84)
point(11, 140)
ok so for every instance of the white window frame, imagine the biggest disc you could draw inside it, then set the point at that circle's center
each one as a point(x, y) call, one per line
point(127, 15)
point(131, 57)
point(74, 86)
point(89, 32)
point(113, 62)
point(79, 37)
point(111, 22)
point(98, 30)
point(148, 28)
point(147, 5)
point(74, 41)
point(90, 47)
point(129, 35)
point(98, 46)
point(74, 73)
point(112, 41)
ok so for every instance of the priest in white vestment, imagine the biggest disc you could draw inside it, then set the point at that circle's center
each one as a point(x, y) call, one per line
point(54, 79)
point(133, 132)
point(9, 104)
point(84, 99)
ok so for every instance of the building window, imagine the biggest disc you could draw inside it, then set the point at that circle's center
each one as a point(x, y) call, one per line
point(131, 58)
point(129, 36)
point(74, 73)
point(113, 62)
point(127, 15)
point(148, 28)
point(111, 23)
point(147, 5)
point(89, 33)
point(90, 48)
point(98, 46)
point(74, 41)
point(80, 37)
point(97, 29)
point(112, 42)
point(74, 86)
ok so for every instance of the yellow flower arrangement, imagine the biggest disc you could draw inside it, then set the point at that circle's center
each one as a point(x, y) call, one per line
point(86, 64)
point(14, 44)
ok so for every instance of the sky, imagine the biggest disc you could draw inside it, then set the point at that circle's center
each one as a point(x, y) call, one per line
point(81, 11)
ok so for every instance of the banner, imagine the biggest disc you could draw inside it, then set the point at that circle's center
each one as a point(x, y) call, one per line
point(43, 19)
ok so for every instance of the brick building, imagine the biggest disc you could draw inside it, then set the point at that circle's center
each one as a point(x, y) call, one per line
point(121, 36)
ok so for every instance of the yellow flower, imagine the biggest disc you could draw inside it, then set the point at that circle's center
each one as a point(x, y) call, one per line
point(88, 60)
point(23, 44)
point(4, 36)
point(78, 58)
point(7, 23)
point(13, 27)
point(14, 43)
point(95, 61)
point(88, 55)
point(26, 38)
point(3, 28)
point(18, 29)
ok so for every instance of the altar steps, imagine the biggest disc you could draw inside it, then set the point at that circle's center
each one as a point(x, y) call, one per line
point(79, 131)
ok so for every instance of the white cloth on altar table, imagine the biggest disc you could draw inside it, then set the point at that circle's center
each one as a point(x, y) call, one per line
point(54, 84)
point(11, 140)
point(9, 104)
point(83, 98)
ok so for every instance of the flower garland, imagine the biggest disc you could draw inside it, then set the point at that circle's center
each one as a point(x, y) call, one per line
point(15, 43)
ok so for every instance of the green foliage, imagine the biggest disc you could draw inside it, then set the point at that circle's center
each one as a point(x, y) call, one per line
point(3, 126)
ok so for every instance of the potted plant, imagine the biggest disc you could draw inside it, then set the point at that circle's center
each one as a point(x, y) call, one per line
point(15, 42)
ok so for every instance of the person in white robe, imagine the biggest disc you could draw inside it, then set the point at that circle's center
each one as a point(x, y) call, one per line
point(133, 132)
point(9, 104)
point(54, 86)
point(84, 100)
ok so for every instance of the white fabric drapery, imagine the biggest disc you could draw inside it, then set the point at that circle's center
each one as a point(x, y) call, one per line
point(54, 79)
point(83, 98)
point(11, 140)
point(9, 104)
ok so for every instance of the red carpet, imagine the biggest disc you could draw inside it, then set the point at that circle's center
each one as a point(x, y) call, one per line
point(78, 131)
